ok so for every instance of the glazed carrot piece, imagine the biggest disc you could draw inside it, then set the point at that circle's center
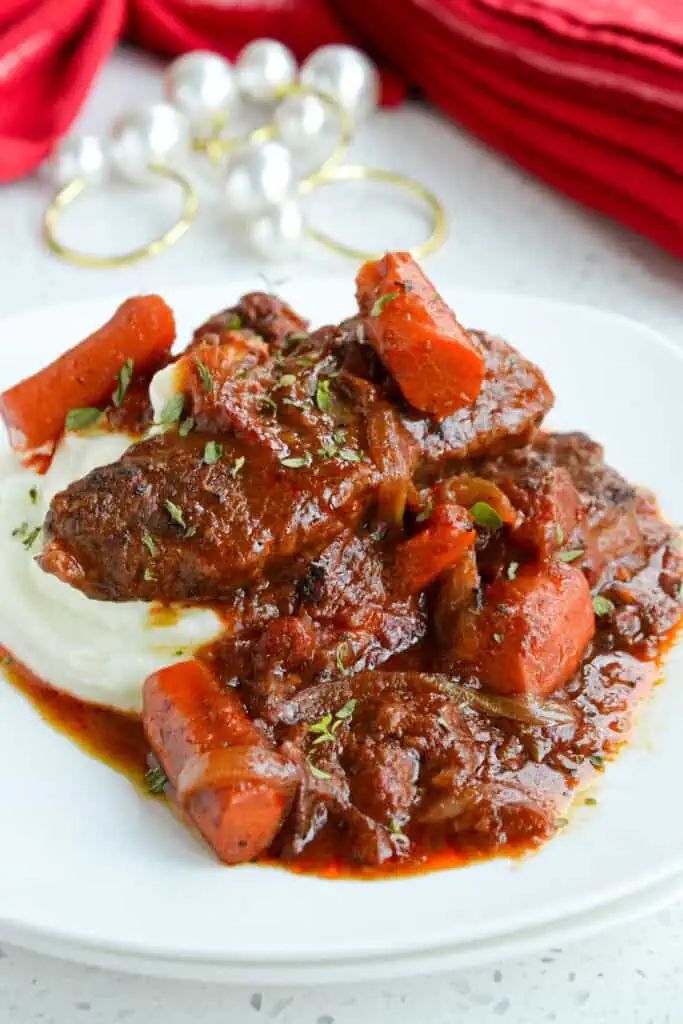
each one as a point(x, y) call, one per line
point(215, 759)
point(531, 633)
point(448, 536)
point(142, 329)
point(437, 365)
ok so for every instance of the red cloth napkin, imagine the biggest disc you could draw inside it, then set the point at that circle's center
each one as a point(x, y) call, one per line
point(587, 94)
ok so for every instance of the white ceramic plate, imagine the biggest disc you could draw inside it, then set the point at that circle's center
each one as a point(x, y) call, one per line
point(90, 869)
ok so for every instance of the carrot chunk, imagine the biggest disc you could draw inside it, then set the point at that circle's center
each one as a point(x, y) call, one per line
point(142, 329)
point(448, 536)
point(189, 719)
point(437, 365)
point(532, 632)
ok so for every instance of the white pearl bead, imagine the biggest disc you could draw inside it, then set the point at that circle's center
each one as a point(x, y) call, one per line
point(78, 157)
point(258, 175)
point(345, 73)
point(149, 133)
point(300, 119)
point(202, 85)
point(277, 234)
point(263, 68)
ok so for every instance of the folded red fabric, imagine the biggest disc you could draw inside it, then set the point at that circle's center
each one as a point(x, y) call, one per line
point(600, 119)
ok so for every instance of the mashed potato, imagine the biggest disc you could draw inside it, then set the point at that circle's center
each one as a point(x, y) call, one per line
point(96, 650)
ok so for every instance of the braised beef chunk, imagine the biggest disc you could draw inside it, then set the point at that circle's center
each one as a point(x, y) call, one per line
point(257, 312)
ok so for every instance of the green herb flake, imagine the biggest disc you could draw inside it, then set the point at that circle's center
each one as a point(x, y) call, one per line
point(175, 513)
point(26, 534)
point(156, 780)
point(150, 543)
point(172, 411)
point(328, 450)
point(395, 828)
point(213, 452)
point(426, 512)
point(485, 516)
point(339, 436)
point(286, 381)
point(186, 427)
point(512, 570)
point(7, 661)
point(237, 466)
point(322, 395)
point(590, 801)
point(382, 301)
point(498, 637)
point(268, 403)
point(347, 710)
point(570, 556)
point(305, 361)
point(293, 339)
point(33, 495)
point(125, 375)
point(205, 374)
point(559, 533)
point(348, 455)
point(190, 532)
point(81, 419)
point(444, 723)
point(149, 576)
point(296, 461)
point(180, 653)
point(598, 761)
point(562, 822)
point(602, 605)
point(317, 772)
point(234, 323)
point(339, 658)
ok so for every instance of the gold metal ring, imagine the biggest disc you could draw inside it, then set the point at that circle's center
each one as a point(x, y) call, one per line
point(75, 188)
point(359, 172)
point(217, 147)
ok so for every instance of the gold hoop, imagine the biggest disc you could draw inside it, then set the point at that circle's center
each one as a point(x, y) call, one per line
point(217, 147)
point(358, 172)
point(75, 188)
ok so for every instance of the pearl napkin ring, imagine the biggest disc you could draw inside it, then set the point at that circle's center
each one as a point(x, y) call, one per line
point(261, 188)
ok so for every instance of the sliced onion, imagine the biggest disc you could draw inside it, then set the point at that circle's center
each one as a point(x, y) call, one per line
point(448, 807)
point(525, 709)
point(468, 490)
point(235, 766)
point(392, 449)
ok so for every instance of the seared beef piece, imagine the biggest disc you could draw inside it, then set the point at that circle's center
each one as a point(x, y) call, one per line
point(212, 527)
point(265, 315)
point(324, 402)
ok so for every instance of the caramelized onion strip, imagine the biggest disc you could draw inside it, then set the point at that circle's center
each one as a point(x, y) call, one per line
point(528, 710)
point(236, 766)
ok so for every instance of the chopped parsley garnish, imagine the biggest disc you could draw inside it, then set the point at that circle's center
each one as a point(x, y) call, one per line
point(33, 495)
point(395, 828)
point(26, 534)
point(306, 361)
point(186, 427)
point(347, 709)
point(296, 461)
point(173, 410)
point(426, 512)
point(316, 772)
point(562, 822)
point(286, 381)
point(512, 570)
point(175, 513)
point(498, 637)
point(7, 661)
point(190, 531)
point(156, 779)
point(559, 533)
point(205, 374)
point(326, 728)
point(602, 605)
point(124, 378)
point(149, 576)
point(269, 403)
point(150, 543)
point(381, 302)
point(590, 801)
point(234, 323)
point(348, 455)
point(213, 451)
point(292, 339)
point(339, 436)
point(444, 723)
point(570, 556)
point(328, 450)
point(597, 760)
point(322, 395)
point(81, 419)
point(237, 466)
point(485, 516)
point(339, 658)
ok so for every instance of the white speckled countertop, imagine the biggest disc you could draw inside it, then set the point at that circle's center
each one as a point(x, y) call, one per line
point(508, 233)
